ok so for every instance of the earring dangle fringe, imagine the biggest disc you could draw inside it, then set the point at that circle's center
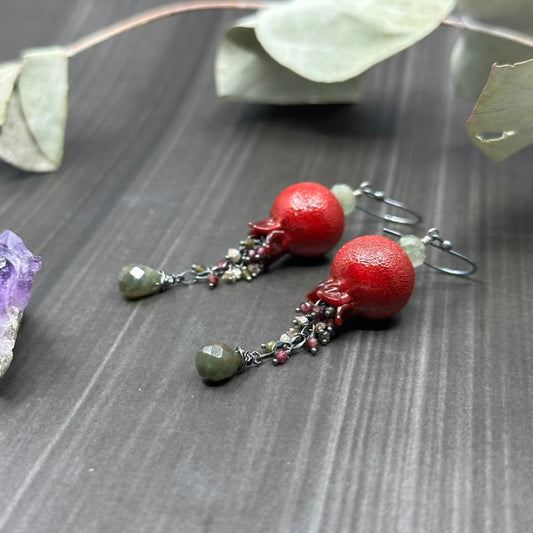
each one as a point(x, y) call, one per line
point(306, 220)
point(372, 277)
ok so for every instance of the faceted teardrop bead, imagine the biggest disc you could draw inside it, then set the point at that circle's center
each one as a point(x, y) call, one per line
point(217, 361)
point(136, 281)
point(345, 196)
point(414, 248)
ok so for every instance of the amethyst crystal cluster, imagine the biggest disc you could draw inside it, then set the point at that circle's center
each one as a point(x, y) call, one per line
point(17, 270)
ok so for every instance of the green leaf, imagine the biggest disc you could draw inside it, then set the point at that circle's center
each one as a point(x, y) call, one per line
point(335, 40)
point(43, 88)
point(501, 124)
point(33, 134)
point(17, 146)
point(316, 51)
point(8, 76)
point(475, 53)
point(244, 71)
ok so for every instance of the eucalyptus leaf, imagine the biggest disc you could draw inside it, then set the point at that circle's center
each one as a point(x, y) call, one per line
point(17, 145)
point(9, 73)
point(33, 134)
point(475, 53)
point(501, 123)
point(244, 71)
point(43, 88)
point(332, 41)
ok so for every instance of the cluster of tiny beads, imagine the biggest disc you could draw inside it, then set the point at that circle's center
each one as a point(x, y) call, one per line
point(313, 326)
point(243, 263)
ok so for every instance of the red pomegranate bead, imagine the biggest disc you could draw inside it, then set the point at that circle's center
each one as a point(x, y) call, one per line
point(371, 277)
point(306, 219)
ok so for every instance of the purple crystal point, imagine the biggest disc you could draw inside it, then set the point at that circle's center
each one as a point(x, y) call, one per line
point(17, 270)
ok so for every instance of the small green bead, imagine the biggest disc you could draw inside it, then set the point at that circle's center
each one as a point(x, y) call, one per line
point(270, 345)
point(136, 281)
point(217, 361)
point(415, 249)
point(249, 243)
point(345, 196)
point(199, 268)
point(246, 274)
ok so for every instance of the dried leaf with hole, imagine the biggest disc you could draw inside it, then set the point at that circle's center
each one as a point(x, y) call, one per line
point(501, 124)
point(475, 53)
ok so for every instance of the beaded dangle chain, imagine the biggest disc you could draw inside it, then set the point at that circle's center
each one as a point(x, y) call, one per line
point(306, 220)
point(372, 277)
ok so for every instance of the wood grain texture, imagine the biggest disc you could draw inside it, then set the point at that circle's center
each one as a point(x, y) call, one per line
point(421, 426)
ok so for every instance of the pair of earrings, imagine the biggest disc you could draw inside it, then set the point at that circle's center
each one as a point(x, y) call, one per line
point(371, 277)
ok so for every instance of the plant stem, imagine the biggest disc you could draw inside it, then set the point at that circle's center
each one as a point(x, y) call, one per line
point(479, 27)
point(157, 13)
point(168, 10)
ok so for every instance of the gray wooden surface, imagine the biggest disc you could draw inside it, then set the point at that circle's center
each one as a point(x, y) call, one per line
point(423, 426)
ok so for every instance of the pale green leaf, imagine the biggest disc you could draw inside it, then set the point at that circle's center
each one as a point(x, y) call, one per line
point(17, 145)
point(32, 136)
point(244, 71)
point(475, 53)
point(8, 76)
point(501, 123)
point(43, 88)
point(335, 40)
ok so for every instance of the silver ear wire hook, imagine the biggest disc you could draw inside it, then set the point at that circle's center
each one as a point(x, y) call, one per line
point(379, 196)
point(433, 238)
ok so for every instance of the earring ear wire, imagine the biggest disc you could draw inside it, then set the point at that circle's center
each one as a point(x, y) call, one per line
point(412, 218)
point(433, 238)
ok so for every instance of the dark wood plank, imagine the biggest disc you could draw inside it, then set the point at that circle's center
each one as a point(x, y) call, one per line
point(421, 426)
